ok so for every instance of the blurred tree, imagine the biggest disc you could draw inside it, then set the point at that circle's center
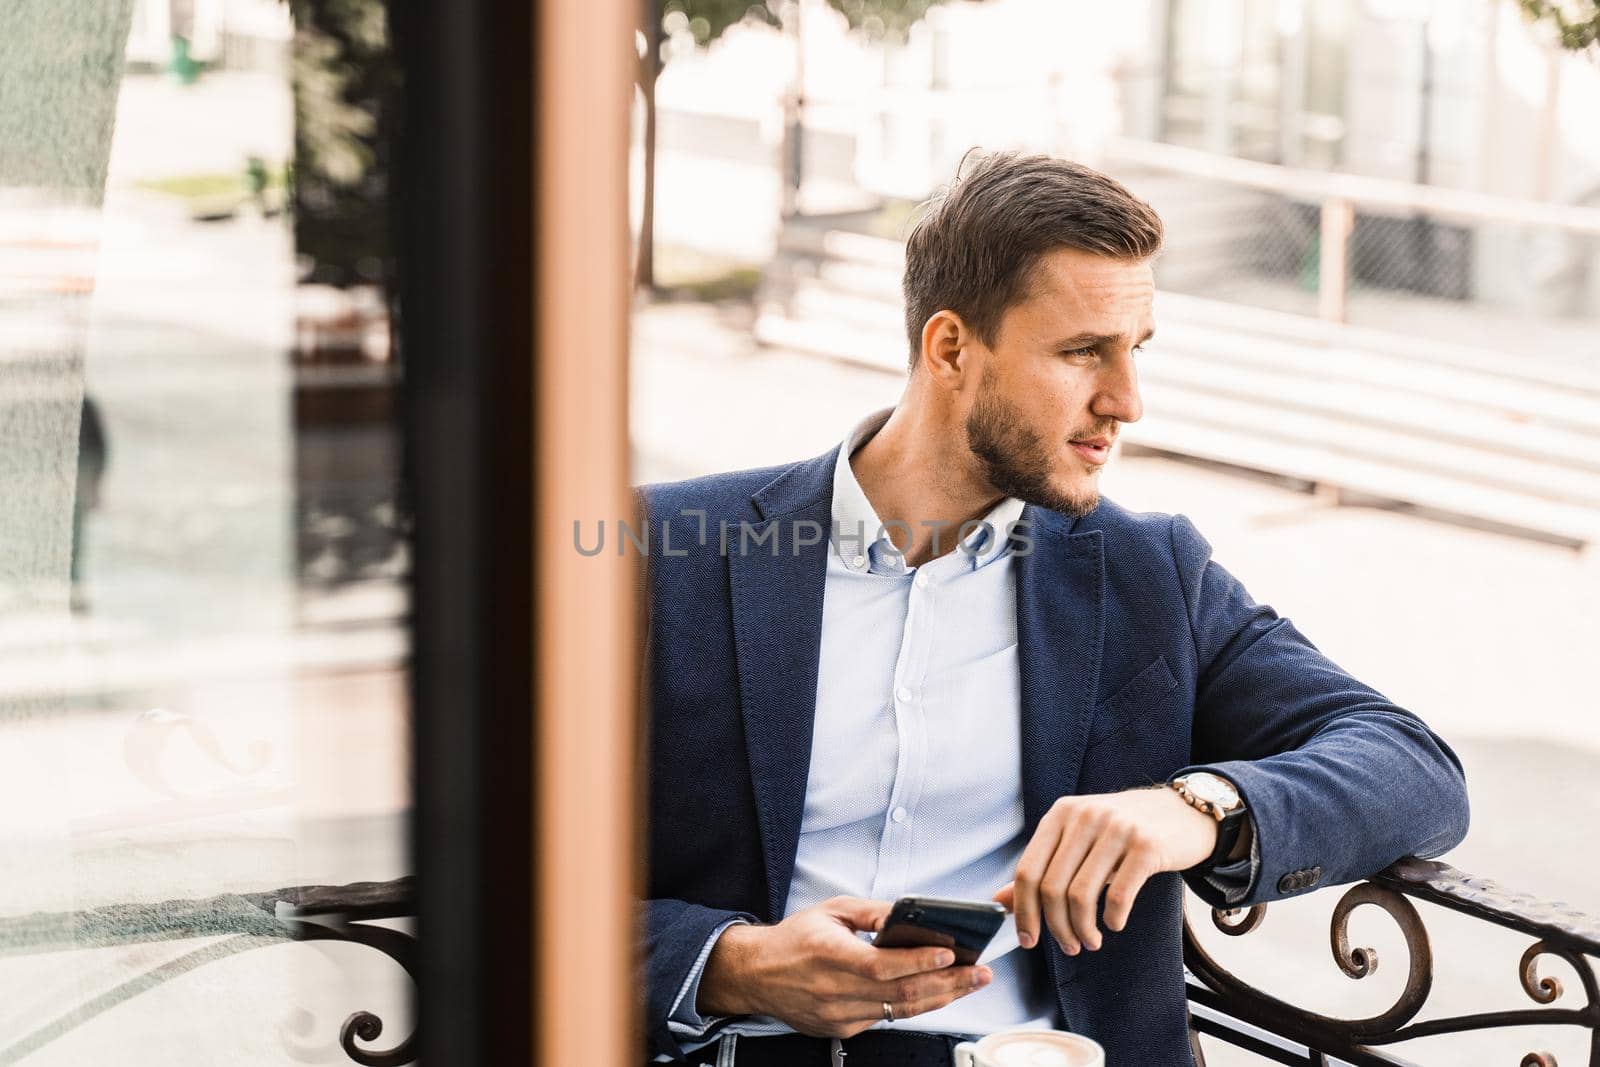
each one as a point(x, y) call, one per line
point(706, 20)
point(1575, 24)
point(345, 95)
point(350, 513)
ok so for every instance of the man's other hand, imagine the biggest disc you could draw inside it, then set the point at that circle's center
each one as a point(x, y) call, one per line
point(1086, 843)
point(814, 973)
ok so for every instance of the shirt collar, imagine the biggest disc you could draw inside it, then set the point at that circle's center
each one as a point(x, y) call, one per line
point(859, 539)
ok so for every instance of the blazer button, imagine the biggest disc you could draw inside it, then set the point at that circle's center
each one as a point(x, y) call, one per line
point(1312, 875)
point(1289, 882)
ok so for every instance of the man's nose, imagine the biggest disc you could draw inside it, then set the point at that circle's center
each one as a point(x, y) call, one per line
point(1118, 396)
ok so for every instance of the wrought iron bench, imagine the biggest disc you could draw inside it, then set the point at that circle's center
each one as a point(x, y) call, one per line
point(1282, 1033)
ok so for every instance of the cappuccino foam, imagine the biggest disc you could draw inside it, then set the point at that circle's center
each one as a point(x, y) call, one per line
point(1039, 1050)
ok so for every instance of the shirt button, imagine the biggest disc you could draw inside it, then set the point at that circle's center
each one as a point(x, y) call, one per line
point(858, 562)
point(898, 815)
point(903, 695)
point(922, 580)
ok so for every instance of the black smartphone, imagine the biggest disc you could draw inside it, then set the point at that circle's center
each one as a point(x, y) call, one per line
point(963, 926)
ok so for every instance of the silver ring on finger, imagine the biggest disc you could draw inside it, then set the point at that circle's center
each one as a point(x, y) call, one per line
point(888, 1012)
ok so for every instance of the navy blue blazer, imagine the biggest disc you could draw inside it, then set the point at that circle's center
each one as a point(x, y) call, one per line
point(1139, 657)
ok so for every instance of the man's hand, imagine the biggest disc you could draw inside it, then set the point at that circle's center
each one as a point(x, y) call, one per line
point(813, 972)
point(1084, 843)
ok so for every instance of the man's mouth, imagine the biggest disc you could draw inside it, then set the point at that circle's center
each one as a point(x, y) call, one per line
point(1094, 449)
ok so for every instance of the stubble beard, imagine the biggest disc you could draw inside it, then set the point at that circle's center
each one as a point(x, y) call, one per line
point(1016, 461)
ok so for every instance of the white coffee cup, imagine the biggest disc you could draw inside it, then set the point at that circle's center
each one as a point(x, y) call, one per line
point(1031, 1048)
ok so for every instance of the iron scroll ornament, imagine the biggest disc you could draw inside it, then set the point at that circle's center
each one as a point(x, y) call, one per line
point(318, 918)
point(249, 921)
point(1561, 931)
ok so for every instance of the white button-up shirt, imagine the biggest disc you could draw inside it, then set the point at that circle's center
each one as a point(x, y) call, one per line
point(915, 783)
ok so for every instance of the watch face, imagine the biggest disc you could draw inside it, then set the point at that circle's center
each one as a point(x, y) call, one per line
point(1212, 790)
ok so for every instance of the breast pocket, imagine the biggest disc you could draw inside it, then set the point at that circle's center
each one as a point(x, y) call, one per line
point(1141, 698)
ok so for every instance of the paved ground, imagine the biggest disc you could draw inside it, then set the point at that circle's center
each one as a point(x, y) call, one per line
point(1487, 637)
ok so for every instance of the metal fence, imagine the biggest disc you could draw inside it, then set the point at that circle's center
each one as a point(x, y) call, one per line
point(1440, 264)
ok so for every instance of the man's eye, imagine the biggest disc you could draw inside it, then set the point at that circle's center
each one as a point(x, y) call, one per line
point(1138, 348)
point(1079, 353)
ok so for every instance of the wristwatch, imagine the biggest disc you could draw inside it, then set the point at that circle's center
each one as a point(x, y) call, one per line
point(1217, 797)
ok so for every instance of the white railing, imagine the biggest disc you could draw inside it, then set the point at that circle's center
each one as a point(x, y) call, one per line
point(1340, 195)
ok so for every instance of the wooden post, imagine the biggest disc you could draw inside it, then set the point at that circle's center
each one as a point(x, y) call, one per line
point(585, 734)
point(1333, 285)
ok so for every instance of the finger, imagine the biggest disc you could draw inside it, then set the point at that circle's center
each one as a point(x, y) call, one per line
point(874, 964)
point(1006, 897)
point(866, 961)
point(1083, 895)
point(978, 978)
point(888, 964)
point(858, 913)
point(1136, 868)
point(1075, 844)
point(928, 992)
point(1030, 874)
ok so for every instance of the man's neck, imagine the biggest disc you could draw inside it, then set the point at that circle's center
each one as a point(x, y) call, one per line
point(916, 470)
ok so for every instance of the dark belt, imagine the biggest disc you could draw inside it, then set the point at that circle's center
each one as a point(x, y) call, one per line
point(870, 1048)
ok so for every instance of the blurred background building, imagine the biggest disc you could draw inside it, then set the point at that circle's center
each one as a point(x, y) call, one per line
point(221, 34)
point(1458, 95)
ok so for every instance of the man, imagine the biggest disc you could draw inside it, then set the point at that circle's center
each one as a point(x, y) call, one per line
point(934, 661)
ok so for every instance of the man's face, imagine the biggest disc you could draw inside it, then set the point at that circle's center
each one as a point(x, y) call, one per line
point(1058, 382)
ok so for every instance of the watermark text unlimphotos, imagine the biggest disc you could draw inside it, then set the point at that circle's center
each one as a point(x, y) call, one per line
point(783, 536)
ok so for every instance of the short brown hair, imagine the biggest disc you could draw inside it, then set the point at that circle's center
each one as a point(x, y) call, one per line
point(976, 245)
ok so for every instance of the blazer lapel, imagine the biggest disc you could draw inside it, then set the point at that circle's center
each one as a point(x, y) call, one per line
point(1060, 634)
point(776, 588)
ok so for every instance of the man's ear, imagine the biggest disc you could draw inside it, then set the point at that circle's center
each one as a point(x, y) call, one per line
point(944, 348)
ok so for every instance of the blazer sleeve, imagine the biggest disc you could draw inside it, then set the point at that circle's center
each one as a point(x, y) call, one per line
point(675, 933)
point(1339, 781)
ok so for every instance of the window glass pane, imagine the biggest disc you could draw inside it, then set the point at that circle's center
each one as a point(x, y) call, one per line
point(203, 553)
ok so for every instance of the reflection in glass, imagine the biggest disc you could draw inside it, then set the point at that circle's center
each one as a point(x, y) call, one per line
point(202, 553)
